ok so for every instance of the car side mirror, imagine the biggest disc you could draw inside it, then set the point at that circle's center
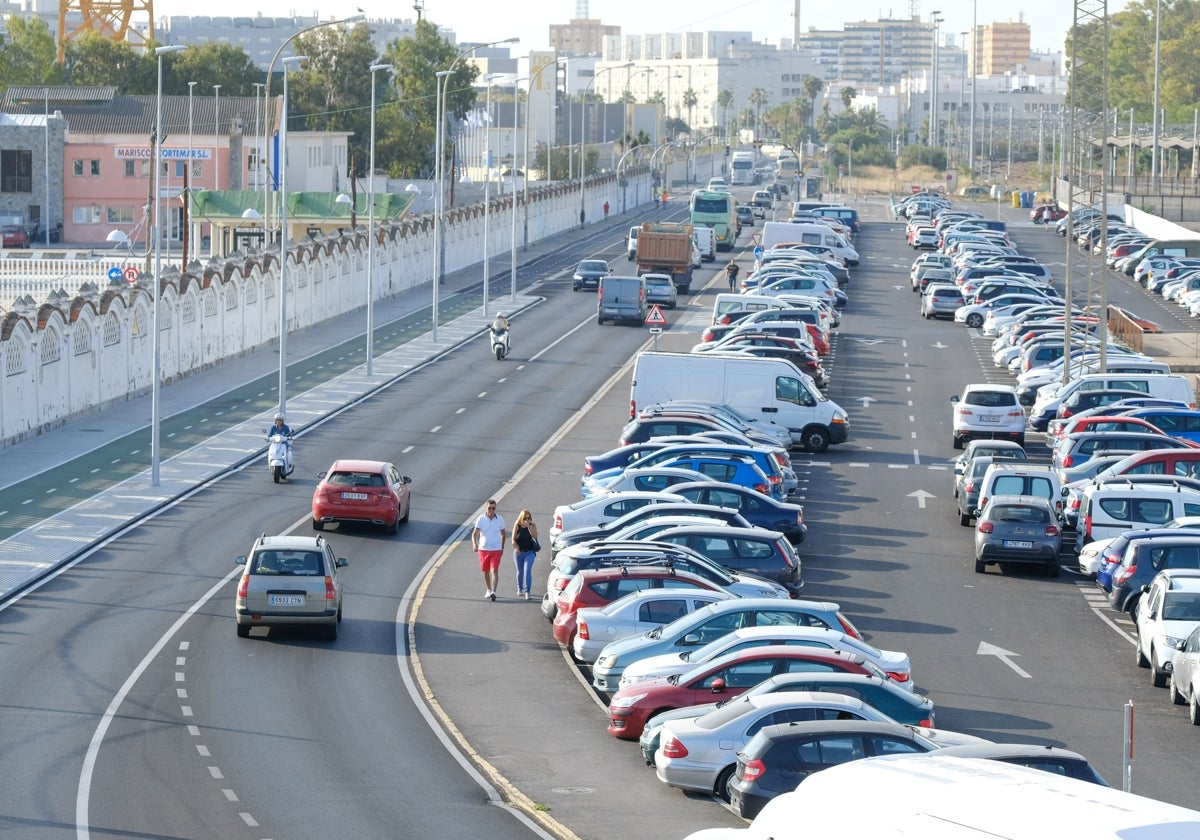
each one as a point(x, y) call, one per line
point(1145, 589)
point(954, 398)
point(405, 480)
point(976, 512)
point(342, 562)
point(690, 640)
point(239, 560)
point(1181, 644)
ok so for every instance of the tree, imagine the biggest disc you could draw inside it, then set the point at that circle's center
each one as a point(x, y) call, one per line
point(211, 63)
point(29, 57)
point(847, 93)
point(757, 99)
point(93, 61)
point(332, 90)
point(813, 86)
point(724, 101)
point(689, 101)
point(405, 128)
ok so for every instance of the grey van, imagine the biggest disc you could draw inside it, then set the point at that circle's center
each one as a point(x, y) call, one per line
point(621, 299)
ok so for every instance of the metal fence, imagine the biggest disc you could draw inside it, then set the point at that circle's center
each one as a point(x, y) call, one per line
point(22, 275)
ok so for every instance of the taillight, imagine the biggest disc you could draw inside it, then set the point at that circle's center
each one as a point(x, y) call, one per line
point(753, 769)
point(581, 630)
point(558, 521)
point(765, 489)
point(926, 722)
point(848, 628)
point(985, 527)
point(1051, 530)
point(1065, 412)
point(898, 676)
point(561, 584)
point(330, 592)
point(1087, 526)
point(1068, 461)
point(672, 748)
point(775, 479)
point(242, 587)
point(782, 459)
point(632, 415)
point(1122, 575)
point(982, 501)
point(587, 470)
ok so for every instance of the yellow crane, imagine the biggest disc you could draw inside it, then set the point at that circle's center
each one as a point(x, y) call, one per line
point(112, 19)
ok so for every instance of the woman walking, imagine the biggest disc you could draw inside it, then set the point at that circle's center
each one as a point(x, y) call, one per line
point(525, 548)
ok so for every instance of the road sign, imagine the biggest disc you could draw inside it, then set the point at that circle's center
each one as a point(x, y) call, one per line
point(758, 252)
point(655, 316)
point(114, 274)
point(131, 275)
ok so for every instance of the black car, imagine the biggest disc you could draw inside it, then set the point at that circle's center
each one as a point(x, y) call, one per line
point(759, 510)
point(588, 274)
point(781, 756)
point(1144, 558)
point(1054, 760)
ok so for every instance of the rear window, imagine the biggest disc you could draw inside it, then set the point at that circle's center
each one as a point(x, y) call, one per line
point(1023, 485)
point(1020, 513)
point(295, 563)
point(355, 479)
point(990, 399)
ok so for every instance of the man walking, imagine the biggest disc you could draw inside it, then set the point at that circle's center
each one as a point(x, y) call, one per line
point(487, 538)
point(731, 271)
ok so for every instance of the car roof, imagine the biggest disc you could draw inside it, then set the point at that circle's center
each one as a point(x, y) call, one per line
point(1181, 580)
point(805, 728)
point(987, 386)
point(723, 531)
point(1029, 501)
point(356, 465)
point(993, 750)
point(287, 541)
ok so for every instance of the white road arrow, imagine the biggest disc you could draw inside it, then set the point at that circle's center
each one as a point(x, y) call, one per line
point(870, 341)
point(866, 401)
point(1003, 655)
point(941, 346)
point(921, 496)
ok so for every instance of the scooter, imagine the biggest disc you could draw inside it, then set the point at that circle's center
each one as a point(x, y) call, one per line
point(499, 344)
point(279, 456)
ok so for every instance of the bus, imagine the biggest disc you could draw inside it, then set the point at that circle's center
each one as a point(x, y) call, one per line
point(741, 168)
point(787, 167)
point(716, 210)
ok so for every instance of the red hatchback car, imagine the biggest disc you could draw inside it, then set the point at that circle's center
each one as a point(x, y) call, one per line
point(368, 492)
point(599, 587)
point(722, 679)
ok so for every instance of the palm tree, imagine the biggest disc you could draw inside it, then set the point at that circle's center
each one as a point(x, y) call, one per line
point(724, 100)
point(689, 101)
point(812, 89)
point(757, 98)
point(848, 93)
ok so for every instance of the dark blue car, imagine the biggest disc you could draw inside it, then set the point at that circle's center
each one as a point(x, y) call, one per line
point(759, 510)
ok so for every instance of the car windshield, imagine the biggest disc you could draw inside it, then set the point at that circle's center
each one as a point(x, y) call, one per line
point(593, 265)
point(1181, 606)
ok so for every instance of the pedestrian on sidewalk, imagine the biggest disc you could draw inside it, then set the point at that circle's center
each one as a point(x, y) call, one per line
point(525, 548)
point(488, 538)
point(731, 271)
point(606, 210)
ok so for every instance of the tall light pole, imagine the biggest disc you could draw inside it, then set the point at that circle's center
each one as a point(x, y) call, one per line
point(188, 169)
point(512, 233)
point(156, 369)
point(371, 228)
point(216, 137)
point(283, 231)
point(525, 157)
point(46, 176)
point(583, 140)
point(974, 72)
point(487, 191)
point(933, 103)
point(260, 143)
point(1154, 161)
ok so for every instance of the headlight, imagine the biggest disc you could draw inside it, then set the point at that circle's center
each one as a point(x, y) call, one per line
point(577, 277)
point(607, 661)
point(626, 702)
point(841, 416)
point(1171, 641)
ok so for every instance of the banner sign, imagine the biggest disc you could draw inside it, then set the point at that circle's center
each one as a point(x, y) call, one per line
point(168, 153)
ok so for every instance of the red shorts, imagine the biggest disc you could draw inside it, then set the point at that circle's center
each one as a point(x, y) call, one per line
point(489, 561)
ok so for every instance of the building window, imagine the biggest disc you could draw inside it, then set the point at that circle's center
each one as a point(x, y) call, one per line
point(95, 168)
point(86, 215)
point(16, 171)
point(120, 215)
point(77, 168)
point(131, 169)
point(180, 168)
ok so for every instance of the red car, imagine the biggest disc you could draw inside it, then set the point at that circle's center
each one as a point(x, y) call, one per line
point(598, 587)
point(1038, 214)
point(368, 492)
point(14, 236)
point(1101, 423)
point(723, 678)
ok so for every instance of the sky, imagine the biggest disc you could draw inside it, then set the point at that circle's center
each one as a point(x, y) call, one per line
point(768, 20)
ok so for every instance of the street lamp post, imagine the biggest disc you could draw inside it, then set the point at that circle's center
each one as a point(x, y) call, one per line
point(371, 229)
point(583, 141)
point(216, 137)
point(974, 72)
point(525, 156)
point(1156, 125)
point(283, 233)
point(188, 169)
point(46, 177)
point(487, 191)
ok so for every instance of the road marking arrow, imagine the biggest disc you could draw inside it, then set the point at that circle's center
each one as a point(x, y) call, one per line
point(921, 496)
point(941, 346)
point(870, 341)
point(1003, 655)
point(866, 401)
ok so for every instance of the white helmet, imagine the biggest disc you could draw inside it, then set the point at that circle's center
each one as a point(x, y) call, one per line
point(279, 415)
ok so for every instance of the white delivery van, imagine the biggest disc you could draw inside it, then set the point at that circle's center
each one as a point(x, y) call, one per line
point(631, 242)
point(772, 390)
point(1161, 386)
point(706, 241)
point(808, 233)
point(733, 302)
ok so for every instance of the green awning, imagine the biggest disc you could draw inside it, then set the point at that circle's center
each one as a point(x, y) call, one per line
point(316, 207)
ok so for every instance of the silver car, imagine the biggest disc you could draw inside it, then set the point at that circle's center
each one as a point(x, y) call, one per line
point(940, 300)
point(289, 581)
point(660, 288)
point(637, 612)
point(1018, 529)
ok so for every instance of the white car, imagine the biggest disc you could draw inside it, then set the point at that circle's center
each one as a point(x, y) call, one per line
point(895, 664)
point(637, 612)
point(987, 411)
point(1171, 613)
point(645, 478)
point(973, 314)
point(601, 510)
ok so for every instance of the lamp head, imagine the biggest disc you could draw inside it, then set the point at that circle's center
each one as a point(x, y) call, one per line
point(375, 67)
point(342, 198)
point(118, 237)
point(170, 48)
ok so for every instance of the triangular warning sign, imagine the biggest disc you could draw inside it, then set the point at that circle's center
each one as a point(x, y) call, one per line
point(655, 317)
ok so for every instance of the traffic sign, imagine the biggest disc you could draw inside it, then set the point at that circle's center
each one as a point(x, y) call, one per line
point(114, 274)
point(655, 316)
point(758, 252)
point(132, 274)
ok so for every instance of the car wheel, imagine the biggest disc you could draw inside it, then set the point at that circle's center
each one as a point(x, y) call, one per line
point(1140, 658)
point(964, 519)
point(815, 439)
point(958, 444)
point(331, 632)
point(243, 631)
point(599, 320)
point(980, 567)
point(1173, 689)
point(1021, 441)
point(318, 525)
point(974, 320)
point(1194, 710)
point(724, 780)
point(394, 527)
point(407, 511)
point(1158, 679)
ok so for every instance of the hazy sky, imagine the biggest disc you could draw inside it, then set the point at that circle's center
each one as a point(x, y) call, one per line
point(768, 20)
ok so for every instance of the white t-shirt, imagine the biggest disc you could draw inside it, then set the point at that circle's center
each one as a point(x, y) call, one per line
point(491, 532)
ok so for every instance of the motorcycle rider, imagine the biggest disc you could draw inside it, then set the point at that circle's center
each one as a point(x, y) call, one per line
point(500, 327)
point(280, 427)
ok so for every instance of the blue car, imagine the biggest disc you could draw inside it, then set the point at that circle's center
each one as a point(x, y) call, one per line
point(770, 460)
point(624, 456)
point(1181, 423)
point(756, 508)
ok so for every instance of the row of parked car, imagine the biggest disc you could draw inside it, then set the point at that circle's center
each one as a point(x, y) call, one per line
point(1123, 477)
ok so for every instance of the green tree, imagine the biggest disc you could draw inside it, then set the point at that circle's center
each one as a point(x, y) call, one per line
point(813, 86)
point(757, 99)
point(211, 63)
point(847, 93)
point(724, 101)
point(94, 60)
point(689, 101)
point(405, 127)
point(29, 57)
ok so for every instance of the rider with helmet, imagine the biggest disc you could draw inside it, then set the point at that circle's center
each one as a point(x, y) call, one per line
point(280, 427)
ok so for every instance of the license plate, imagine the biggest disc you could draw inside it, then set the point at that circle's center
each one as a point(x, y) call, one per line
point(285, 600)
point(1018, 544)
point(357, 497)
point(989, 418)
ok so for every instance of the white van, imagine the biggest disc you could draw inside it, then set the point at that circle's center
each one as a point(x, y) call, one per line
point(733, 302)
point(1162, 386)
point(943, 797)
point(808, 233)
point(706, 241)
point(772, 390)
point(631, 242)
point(1110, 508)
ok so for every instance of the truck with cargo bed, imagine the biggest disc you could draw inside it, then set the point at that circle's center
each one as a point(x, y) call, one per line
point(666, 248)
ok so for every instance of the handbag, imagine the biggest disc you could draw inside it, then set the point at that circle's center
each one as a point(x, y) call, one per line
point(537, 546)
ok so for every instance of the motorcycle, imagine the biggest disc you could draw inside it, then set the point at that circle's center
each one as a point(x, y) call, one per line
point(279, 456)
point(499, 344)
